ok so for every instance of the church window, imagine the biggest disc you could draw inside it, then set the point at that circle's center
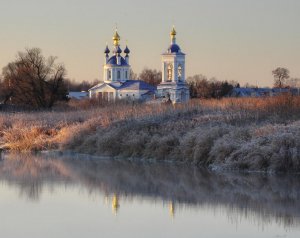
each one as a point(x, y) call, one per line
point(109, 74)
point(119, 74)
point(126, 75)
point(170, 72)
point(179, 72)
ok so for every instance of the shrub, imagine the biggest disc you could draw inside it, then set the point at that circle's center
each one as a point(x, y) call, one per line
point(252, 134)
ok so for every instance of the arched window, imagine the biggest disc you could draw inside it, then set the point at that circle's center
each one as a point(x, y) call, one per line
point(179, 72)
point(109, 74)
point(170, 72)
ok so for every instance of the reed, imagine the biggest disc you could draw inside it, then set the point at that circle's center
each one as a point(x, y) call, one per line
point(236, 133)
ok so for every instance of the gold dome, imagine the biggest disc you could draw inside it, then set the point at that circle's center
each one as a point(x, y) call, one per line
point(116, 38)
point(173, 32)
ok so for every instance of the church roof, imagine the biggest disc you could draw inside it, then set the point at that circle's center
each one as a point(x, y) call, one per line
point(78, 95)
point(137, 85)
point(113, 61)
point(174, 48)
point(133, 85)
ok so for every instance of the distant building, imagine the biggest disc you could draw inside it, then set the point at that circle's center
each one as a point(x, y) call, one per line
point(117, 83)
point(173, 86)
point(261, 92)
point(78, 95)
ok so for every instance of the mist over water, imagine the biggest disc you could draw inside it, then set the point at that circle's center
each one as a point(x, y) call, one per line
point(75, 197)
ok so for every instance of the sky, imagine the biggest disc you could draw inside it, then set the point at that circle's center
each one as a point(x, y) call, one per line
point(242, 40)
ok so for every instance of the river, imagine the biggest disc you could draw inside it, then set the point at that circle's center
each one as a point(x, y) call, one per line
point(74, 196)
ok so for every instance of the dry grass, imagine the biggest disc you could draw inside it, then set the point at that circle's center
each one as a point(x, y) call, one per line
point(253, 133)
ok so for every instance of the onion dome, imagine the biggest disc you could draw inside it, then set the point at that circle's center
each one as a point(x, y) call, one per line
point(117, 50)
point(173, 32)
point(126, 51)
point(116, 38)
point(106, 51)
point(174, 48)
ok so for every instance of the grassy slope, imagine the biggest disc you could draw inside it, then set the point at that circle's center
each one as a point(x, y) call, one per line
point(252, 134)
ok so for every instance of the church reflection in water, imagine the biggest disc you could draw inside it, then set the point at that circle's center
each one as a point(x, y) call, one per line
point(172, 209)
point(178, 187)
point(115, 204)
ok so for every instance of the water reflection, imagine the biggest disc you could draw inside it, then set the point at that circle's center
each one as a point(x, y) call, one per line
point(172, 209)
point(252, 196)
point(115, 204)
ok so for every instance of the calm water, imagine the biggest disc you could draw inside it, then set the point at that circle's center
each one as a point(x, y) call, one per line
point(67, 197)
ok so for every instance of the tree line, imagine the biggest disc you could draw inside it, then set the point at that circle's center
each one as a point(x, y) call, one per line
point(32, 80)
point(35, 81)
point(282, 79)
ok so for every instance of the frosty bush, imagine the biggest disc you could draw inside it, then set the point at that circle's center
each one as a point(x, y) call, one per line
point(247, 134)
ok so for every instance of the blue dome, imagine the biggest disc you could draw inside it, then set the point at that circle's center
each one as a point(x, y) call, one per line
point(126, 51)
point(117, 50)
point(113, 61)
point(106, 51)
point(174, 48)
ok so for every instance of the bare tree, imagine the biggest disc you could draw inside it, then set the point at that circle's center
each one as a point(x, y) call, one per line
point(5, 92)
point(201, 87)
point(33, 80)
point(133, 75)
point(293, 82)
point(79, 86)
point(151, 76)
point(248, 85)
point(280, 75)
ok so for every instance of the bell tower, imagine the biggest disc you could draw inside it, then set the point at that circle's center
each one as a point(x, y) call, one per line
point(173, 86)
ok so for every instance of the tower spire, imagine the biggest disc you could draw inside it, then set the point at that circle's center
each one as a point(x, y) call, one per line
point(116, 38)
point(173, 35)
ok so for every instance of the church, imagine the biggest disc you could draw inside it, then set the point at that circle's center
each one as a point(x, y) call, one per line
point(173, 87)
point(118, 85)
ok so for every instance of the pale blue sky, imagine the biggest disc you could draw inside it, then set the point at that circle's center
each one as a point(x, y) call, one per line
point(241, 40)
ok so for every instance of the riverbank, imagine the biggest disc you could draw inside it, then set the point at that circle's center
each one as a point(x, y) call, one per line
point(243, 134)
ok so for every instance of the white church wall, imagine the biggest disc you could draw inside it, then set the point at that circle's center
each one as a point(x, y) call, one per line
point(103, 91)
point(114, 73)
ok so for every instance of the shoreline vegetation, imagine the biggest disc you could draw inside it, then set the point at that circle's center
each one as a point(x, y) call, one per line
point(250, 134)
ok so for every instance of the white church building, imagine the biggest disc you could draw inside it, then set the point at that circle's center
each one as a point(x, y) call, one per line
point(117, 83)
